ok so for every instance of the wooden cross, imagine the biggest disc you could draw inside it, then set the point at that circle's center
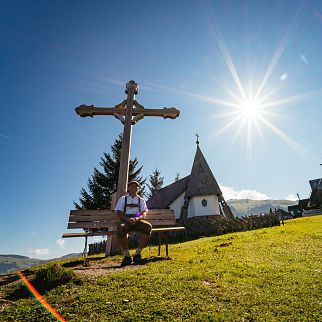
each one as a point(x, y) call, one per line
point(129, 112)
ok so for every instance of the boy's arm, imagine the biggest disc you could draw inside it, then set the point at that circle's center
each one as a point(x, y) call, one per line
point(119, 210)
point(144, 210)
point(122, 216)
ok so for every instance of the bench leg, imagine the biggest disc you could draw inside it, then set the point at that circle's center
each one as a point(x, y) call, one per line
point(159, 251)
point(166, 245)
point(108, 247)
point(163, 236)
point(85, 251)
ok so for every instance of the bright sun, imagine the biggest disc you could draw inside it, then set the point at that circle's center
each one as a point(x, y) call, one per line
point(249, 109)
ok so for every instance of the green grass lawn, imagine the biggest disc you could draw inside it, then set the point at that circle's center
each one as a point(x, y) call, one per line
point(272, 274)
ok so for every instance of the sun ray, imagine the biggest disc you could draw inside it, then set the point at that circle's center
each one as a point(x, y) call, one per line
point(226, 55)
point(292, 143)
point(233, 95)
point(249, 138)
point(228, 125)
point(259, 130)
point(238, 131)
point(262, 99)
point(279, 51)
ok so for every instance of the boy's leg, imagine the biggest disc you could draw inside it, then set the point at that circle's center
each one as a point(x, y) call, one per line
point(143, 240)
point(144, 228)
point(122, 230)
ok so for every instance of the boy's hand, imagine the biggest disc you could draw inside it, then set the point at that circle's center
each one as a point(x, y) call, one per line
point(134, 220)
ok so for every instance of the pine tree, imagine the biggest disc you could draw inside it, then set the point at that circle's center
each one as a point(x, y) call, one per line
point(156, 182)
point(101, 185)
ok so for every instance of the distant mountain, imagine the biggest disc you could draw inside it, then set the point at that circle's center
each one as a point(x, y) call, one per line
point(11, 262)
point(242, 207)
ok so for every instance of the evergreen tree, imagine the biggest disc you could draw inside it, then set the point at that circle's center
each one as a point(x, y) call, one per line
point(156, 182)
point(101, 185)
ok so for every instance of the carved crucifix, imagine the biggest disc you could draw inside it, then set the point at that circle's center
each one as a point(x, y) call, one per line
point(129, 112)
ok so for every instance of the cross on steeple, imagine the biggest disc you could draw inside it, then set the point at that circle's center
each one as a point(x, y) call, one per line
point(197, 135)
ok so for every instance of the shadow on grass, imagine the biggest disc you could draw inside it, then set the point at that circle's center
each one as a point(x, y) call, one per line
point(154, 259)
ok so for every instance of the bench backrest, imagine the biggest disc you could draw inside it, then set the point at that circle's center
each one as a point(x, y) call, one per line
point(108, 219)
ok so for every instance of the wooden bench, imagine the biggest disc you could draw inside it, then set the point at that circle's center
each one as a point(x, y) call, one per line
point(105, 222)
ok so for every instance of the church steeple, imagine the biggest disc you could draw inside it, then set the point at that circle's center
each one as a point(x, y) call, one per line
point(202, 180)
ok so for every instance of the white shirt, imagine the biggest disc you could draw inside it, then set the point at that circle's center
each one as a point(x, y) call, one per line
point(130, 200)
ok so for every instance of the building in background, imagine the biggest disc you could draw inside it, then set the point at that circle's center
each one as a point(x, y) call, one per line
point(196, 195)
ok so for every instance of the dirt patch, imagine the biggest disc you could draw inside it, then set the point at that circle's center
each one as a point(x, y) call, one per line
point(97, 268)
point(102, 266)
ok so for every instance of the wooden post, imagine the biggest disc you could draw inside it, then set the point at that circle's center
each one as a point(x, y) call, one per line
point(131, 90)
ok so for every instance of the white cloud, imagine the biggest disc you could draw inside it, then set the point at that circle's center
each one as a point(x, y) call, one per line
point(39, 251)
point(290, 196)
point(283, 77)
point(61, 243)
point(231, 193)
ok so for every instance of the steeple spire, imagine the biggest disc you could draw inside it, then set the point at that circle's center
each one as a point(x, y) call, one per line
point(202, 181)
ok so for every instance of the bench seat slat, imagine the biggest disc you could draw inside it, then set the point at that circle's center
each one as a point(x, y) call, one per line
point(67, 235)
point(89, 234)
point(107, 212)
point(161, 229)
point(111, 217)
point(161, 211)
point(86, 224)
point(161, 222)
point(93, 218)
point(92, 211)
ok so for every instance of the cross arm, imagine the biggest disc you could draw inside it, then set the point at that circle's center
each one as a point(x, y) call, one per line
point(91, 110)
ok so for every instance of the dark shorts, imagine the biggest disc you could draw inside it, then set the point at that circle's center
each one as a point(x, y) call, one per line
point(142, 227)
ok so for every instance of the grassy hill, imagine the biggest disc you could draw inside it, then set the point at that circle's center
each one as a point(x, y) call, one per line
point(241, 207)
point(272, 274)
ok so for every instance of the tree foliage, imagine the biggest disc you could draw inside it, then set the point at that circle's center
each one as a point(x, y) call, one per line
point(156, 182)
point(101, 185)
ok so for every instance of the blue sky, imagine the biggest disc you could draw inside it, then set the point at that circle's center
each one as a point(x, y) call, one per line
point(246, 75)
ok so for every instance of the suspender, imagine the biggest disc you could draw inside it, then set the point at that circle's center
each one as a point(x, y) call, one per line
point(125, 204)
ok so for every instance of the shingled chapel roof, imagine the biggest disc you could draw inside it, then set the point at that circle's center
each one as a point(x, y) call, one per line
point(163, 198)
point(202, 181)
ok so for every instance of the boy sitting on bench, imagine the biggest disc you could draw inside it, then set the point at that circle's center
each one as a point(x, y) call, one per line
point(132, 210)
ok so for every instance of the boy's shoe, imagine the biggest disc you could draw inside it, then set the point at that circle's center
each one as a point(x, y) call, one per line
point(126, 261)
point(137, 259)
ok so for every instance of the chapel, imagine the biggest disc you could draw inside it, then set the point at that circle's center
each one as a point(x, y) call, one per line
point(195, 195)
